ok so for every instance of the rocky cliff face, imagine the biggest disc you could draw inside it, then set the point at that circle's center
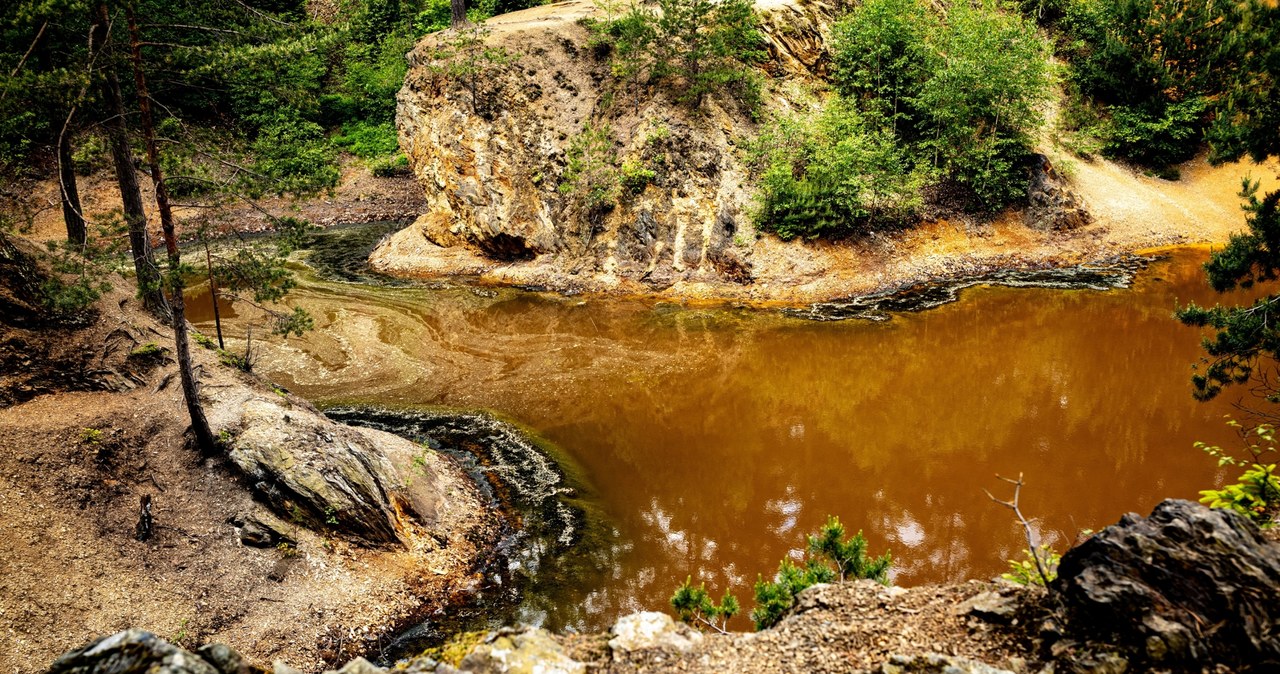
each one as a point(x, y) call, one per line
point(492, 157)
point(490, 142)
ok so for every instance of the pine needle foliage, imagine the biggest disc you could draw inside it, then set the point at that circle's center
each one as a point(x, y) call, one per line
point(694, 606)
point(848, 556)
point(774, 598)
point(1242, 335)
point(831, 557)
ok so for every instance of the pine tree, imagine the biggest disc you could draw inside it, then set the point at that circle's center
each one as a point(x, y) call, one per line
point(1246, 340)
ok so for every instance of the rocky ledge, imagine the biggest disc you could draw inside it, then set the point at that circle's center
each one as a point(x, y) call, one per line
point(1186, 589)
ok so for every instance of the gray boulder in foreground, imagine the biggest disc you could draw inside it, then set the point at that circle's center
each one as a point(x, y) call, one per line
point(132, 651)
point(1187, 585)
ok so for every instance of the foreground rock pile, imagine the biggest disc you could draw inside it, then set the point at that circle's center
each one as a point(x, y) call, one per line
point(1187, 589)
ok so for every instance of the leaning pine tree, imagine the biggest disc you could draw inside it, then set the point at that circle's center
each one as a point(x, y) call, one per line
point(173, 282)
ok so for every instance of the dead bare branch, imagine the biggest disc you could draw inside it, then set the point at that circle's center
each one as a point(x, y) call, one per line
point(1012, 504)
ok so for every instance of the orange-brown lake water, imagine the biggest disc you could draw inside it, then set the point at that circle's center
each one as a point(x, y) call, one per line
point(715, 439)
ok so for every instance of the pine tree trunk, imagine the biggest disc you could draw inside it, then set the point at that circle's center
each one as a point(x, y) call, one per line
point(199, 424)
point(68, 195)
point(72, 214)
point(144, 259)
point(213, 294)
point(458, 9)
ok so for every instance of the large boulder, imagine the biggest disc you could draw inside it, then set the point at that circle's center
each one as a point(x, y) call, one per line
point(1184, 587)
point(493, 156)
point(360, 483)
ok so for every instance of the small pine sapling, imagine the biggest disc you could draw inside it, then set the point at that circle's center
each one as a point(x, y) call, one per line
point(849, 557)
point(774, 598)
point(694, 606)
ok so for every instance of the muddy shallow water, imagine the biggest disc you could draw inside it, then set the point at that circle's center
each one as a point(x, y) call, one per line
point(715, 439)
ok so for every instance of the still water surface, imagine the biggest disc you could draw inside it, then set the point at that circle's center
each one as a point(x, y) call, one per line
point(716, 439)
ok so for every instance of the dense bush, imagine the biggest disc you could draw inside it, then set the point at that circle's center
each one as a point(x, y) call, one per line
point(923, 98)
point(1156, 70)
point(982, 101)
point(368, 140)
point(881, 55)
point(1170, 134)
point(832, 175)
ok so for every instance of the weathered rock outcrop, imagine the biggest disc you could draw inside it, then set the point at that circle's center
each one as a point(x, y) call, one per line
point(359, 482)
point(493, 158)
point(1051, 203)
point(1186, 586)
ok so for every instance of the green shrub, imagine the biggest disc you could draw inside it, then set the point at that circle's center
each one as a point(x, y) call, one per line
point(68, 297)
point(634, 176)
point(882, 55)
point(244, 363)
point(368, 139)
point(831, 175)
point(1157, 137)
point(78, 271)
point(923, 98)
point(387, 167)
point(294, 156)
point(1158, 71)
point(1257, 494)
point(591, 173)
point(982, 102)
point(1024, 571)
point(89, 153)
point(371, 81)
